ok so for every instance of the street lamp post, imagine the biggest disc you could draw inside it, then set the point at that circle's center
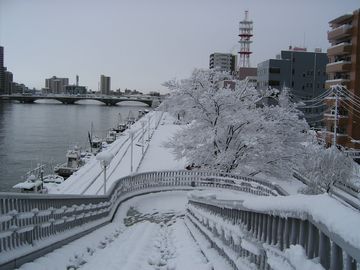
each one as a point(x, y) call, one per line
point(105, 159)
point(131, 134)
point(142, 137)
point(148, 128)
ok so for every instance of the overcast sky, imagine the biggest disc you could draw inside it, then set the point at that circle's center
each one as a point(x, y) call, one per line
point(142, 43)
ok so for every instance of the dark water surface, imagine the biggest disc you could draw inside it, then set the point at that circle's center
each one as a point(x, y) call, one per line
point(43, 132)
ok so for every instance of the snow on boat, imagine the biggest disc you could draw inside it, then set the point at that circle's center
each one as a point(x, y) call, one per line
point(111, 136)
point(53, 179)
point(73, 163)
point(30, 185)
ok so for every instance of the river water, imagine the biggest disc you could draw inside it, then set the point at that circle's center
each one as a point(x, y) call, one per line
point(43, 132)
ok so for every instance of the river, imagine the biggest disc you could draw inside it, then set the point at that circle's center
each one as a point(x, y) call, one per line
point(42, 132)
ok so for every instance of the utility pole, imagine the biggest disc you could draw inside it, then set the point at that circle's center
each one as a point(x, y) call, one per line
point(336, 115)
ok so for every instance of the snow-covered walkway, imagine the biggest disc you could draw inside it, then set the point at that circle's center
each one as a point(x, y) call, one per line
point(149, 232)
point(89, 179)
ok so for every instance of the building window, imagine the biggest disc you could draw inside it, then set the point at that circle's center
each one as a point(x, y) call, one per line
point(274, 70)
point(292, 84)
point(293, 71)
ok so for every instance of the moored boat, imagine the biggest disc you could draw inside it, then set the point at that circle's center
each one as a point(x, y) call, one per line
point(73, 163)
point(33, 181)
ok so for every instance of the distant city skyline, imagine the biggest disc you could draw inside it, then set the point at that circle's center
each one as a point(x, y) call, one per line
point(141, 44)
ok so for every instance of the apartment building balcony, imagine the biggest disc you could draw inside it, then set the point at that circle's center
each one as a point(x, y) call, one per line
point(340, 81)
point(340, 32)
point(339, 66)
point(342, 120)
point(340, 49)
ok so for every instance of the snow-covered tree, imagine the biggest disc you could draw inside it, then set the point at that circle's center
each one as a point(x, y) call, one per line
point(323, 167)
point(230, 129)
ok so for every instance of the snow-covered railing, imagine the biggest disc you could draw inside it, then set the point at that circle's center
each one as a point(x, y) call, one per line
point(347, 192)
point(31, 225)
point(259, 239)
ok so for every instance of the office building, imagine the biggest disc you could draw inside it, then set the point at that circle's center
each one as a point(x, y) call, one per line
point(56, 85)
point(301, 71)
point(223, 61)
point(344, 69)
point(105, 85)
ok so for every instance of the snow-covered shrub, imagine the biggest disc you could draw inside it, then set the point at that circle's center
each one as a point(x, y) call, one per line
point(323, 167)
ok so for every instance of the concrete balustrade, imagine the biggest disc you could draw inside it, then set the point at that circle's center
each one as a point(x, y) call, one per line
point(29, 219)
point(32, 225)
point(271, 231)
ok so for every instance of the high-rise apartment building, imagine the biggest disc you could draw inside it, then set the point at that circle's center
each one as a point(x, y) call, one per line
point(344, 69)
point(2, 70)
point(7, 82)
point(302, 72)
point(56, 85)
point(105, 83)
point(223, 61)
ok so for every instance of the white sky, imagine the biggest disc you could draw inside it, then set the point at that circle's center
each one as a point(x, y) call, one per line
point(142, 43)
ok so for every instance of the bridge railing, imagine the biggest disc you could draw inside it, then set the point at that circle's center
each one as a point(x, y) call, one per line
point(31, 224)
point(248, 237)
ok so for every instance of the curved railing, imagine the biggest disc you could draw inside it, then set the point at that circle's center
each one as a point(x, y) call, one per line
point(34, 224)
point(252, 238)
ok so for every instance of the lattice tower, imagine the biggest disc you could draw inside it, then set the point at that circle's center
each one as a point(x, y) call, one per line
point(246, 33)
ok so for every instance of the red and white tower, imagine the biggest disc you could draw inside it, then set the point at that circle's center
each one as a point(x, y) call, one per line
point(246, 32)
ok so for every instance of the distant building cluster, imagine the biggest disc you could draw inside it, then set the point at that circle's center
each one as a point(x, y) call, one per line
point(55, 85)
point(309, 76)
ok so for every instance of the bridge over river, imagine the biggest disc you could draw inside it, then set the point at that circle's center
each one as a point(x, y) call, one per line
point(72, 99)
point(149, 220)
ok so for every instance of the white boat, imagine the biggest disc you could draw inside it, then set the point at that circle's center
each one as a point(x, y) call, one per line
point(86, 156)
point(111, 136)
point(120, 126)
point(131, 119)
point(73, 163)
point(33, 181)
point(95, 142)
point(31, 185)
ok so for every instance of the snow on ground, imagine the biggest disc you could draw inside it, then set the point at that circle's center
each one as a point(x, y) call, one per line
point(159, 158)
point(148, 232)
point(89, 178)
